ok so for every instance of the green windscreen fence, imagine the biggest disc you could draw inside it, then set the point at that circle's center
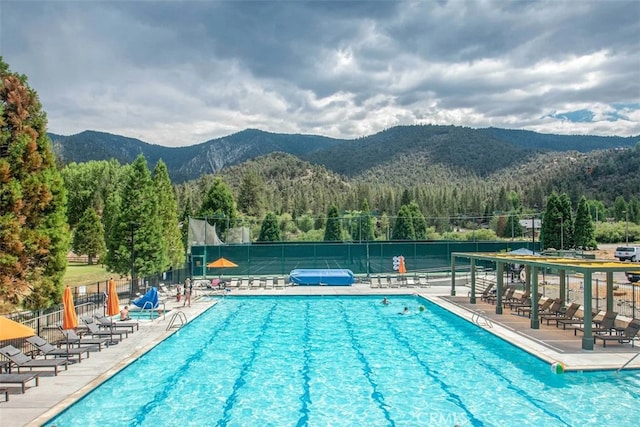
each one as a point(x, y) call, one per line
point(262, 259)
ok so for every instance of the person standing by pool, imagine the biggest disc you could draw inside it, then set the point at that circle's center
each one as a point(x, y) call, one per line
point(188, 289)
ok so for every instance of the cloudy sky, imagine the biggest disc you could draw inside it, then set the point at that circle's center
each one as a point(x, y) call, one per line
point(182, 72)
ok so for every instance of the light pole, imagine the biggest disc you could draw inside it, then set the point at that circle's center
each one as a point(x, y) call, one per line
point(533, 233)
point(626, 227)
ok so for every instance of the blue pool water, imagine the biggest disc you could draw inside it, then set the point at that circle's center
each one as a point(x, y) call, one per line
point(347, 361)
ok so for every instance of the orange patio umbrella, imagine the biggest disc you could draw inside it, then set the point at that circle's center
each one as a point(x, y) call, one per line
point(402, 268)
point(69, 316)
point(113, 303)
point(10, 330)
point(222, 263)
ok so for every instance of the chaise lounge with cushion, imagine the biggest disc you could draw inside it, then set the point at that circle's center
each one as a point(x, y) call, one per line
point(628, 335)
point(21, 360)
point(47, 349)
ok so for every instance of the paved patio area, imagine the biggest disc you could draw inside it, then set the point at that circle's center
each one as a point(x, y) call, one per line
point(39, 404)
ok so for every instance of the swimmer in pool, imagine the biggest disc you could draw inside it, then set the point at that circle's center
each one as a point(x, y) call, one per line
point(405, 311)
point(385, 301)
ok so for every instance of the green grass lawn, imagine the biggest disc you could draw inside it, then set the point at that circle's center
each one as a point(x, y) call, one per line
point(83, 274)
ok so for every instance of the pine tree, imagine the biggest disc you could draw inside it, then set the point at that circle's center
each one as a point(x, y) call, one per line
point(584, 233)
point(137, 219)
point(333, 229)
point(366, 222)
point(219, 206)
point(251, 194)
point(403, 229)
point(168, 215)
point(88, 237)
point(34, 237)
point(270, 231)
point(418, 221)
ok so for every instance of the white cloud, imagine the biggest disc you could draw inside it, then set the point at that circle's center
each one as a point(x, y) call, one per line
point(179, 73)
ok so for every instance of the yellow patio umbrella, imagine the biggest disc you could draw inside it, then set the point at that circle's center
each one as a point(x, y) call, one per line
point(69, 316)
point(113, 303)
point(10, 330)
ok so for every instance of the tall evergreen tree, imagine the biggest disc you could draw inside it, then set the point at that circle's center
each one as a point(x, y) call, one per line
point(251, 194)
point(218, 206)
point(566, 223)
point(88, 237)
point(584, 233)
point(551, 223)
point(168, 215)
point(418, 220)
point(403, 228)
point(333, 229)
point(270, 230)
point(137, 220)
point(34, 237)
point(366, 222)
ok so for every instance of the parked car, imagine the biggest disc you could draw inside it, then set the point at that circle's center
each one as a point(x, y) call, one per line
point(633, 276)
point(631, 253)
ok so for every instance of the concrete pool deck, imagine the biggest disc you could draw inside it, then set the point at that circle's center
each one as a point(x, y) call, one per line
point(39, 404)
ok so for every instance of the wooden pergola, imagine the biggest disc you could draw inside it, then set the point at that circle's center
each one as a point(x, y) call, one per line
point(533, 265)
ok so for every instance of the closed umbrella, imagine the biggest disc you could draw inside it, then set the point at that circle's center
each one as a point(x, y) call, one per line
point(69, 318)
point(113, 303)
point(10, 330)
point(402, 268)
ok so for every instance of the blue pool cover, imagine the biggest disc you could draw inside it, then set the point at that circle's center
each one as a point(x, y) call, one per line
point(322, 276)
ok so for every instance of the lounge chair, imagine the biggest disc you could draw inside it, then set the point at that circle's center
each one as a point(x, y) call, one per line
point(514, 300)
point(70, 337)
point(21, 360)
point(568, 315)
point(95, 331)
point(542, 306)
point(628, 334)
point(21, 379)
point(607, 324)
point(110, 323)
point(491, 296)
point(423, 282)
point(556, 309)
point(47, 349)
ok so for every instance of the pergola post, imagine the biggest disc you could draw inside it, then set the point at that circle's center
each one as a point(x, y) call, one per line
point(587, 338)
point(535, 321)
point(472, 298)
point(562, 275)
point(527, 277)
point(609, 291)
point(499, 285)
point(453, 275)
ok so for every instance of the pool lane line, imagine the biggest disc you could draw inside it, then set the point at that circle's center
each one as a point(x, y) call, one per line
point(366, 368)
point(451, 395)
point(163, 393)
point(498, 374)
point(240, 381)
point(305, 398)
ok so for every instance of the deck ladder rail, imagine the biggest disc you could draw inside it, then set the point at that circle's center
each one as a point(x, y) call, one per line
point(178, 316)
point(627, 362)
point(479, 317)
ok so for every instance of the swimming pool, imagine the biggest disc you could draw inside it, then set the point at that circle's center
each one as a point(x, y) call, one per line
point(345, 361)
